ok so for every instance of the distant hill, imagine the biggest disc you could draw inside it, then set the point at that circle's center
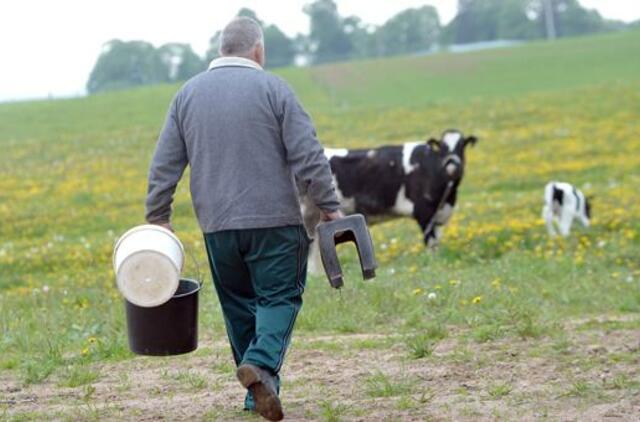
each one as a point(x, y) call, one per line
point(539, 66)
point(402, 81)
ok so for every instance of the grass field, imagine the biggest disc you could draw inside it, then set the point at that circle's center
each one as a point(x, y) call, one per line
point(521, 326)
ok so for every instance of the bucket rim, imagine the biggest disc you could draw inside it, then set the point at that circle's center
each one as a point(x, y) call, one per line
point(148, 227)
point(153, 304)
point(199, 283)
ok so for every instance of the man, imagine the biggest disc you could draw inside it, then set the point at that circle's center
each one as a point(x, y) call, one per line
point(248, 142)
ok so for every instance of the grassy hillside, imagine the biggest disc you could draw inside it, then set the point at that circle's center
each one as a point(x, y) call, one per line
point(73, 177)
point(537, 67)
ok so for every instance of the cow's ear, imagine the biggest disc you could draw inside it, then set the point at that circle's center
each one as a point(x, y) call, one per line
point(434, 144)
point(470, 140)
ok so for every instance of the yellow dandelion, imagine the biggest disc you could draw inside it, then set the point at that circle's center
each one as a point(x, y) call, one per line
point(476, 300)
point(417, 292)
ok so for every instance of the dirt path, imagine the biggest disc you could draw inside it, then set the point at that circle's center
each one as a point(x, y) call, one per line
point(590, 373)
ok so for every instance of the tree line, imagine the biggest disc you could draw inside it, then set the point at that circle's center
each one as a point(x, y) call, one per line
point(333, 37)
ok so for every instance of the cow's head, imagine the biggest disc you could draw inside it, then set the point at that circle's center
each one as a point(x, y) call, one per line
point(450, 150)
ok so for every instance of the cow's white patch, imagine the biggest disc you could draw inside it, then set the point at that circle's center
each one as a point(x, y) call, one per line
point(444, 215)
point(371, 153)
point(451, 169)
point(407, 151)
point(451, 139)
point(403, 205)
point(335, 152)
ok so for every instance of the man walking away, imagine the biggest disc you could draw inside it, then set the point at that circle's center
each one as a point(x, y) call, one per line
point(248, 141)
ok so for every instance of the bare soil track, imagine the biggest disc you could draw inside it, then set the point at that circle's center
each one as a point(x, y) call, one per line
point(592, 372)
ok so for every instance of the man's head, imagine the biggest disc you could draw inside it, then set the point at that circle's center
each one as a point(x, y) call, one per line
point(242, 37)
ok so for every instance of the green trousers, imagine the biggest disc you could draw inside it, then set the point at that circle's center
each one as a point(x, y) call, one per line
point(259, 275)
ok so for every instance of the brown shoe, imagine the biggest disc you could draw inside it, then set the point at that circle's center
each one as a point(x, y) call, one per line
point(263, 387)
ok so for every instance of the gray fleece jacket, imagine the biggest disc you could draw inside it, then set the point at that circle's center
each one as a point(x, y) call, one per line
point(248, 142)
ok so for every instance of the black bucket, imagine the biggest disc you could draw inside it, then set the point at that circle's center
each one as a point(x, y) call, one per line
point(168, 329)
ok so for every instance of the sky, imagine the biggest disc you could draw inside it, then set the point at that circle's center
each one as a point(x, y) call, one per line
point(48, 48)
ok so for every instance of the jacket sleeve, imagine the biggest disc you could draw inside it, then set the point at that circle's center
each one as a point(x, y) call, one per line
point(305, 155)
point(167, 167)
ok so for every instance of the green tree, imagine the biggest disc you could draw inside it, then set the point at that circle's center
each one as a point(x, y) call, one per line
point(280, 48)
point(573, 19)
point(127, 64)
point(181, 61)
point(214, 44)
point(328, 38)
point(485, 20)
point(410, 31)
point(362, 36)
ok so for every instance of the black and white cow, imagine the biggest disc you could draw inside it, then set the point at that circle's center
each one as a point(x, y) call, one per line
point(398, 181)
point(563, 203)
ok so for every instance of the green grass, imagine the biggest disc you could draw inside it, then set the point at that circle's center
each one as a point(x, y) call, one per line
point(423, 343)
point(192, 380)
point(537, 67)
point(382, 385)
point(332, 412)
point(73, 177)
point(498, 391)
point(77, 376)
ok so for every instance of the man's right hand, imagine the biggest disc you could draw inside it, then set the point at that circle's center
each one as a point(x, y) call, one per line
point(331, 216)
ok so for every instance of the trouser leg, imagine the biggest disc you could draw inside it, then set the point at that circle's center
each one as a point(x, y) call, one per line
point(277, 263)
point(236, 295)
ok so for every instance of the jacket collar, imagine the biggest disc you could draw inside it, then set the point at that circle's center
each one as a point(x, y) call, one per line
point(231, 61)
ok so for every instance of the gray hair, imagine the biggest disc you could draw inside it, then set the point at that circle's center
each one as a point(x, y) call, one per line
point(240, 36)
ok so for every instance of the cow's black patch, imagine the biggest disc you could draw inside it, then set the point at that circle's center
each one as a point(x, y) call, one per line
point(588, 204)
point(558, 196)
point(372, 180)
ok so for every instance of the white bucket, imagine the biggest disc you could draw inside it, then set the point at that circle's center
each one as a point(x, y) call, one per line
point(147, 261)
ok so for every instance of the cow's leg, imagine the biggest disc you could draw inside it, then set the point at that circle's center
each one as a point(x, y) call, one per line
point(314, 263)
point(566, 218)
point(438, 230)
point(311, 218)
point(423, 214)
point(431, 240)
point(547, 214)
point(442, 218)
point(585, 221)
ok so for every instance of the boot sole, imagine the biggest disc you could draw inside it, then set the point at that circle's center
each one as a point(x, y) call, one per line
point(267, 401)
